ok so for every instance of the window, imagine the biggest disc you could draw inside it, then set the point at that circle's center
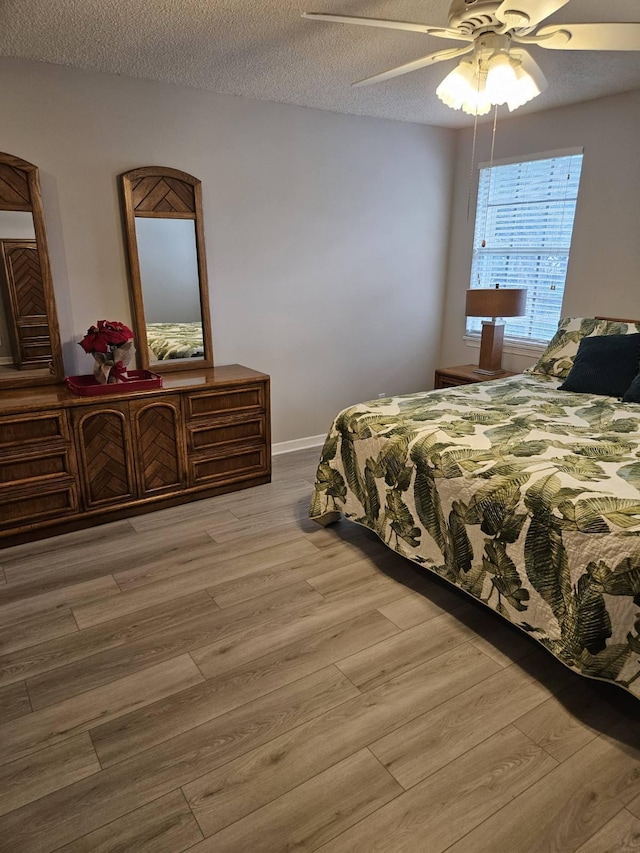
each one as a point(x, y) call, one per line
point(525, 218)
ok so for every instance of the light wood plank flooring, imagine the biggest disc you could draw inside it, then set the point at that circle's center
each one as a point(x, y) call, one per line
point(228, 676)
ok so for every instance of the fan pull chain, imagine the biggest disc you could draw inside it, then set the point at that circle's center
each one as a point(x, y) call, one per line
point(473, 162)
point(473, 149)
point(493, 148)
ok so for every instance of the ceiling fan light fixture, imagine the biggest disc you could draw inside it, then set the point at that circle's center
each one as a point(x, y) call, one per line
point(509, 77)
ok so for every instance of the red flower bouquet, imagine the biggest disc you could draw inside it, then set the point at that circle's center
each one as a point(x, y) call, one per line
point(111, 344)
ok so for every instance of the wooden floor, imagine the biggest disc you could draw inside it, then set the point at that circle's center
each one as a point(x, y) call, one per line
point(227, 676)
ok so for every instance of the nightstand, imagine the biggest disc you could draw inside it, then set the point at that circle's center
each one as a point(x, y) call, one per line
point(464, 374)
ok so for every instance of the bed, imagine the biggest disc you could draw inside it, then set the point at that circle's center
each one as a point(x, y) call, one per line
point(175, 340)
point(525, 496)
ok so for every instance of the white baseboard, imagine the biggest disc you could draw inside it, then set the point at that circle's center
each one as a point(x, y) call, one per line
point(298, 444)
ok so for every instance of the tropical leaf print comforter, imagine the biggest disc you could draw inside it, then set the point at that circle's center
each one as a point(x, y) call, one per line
point(526, 497)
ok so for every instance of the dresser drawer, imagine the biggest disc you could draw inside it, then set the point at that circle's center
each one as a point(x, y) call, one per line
point(42, 464)
point(31, 331)
point(226, 401)
point(24, 430)
point(23, 506)
point(217, 433)
point(33, 350)
point(233, 465)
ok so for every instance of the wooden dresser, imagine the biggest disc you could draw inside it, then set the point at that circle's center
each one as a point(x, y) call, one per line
point(68, 461)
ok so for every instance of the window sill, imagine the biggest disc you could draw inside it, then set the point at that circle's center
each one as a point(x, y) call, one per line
point(512, 347)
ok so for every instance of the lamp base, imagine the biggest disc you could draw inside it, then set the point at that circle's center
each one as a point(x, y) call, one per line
point(491, 348)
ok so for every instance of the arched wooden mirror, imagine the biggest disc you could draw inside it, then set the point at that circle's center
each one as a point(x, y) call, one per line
point(30, 351)
point(167, 268)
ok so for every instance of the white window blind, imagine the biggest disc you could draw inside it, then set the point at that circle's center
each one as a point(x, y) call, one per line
point(525, 217)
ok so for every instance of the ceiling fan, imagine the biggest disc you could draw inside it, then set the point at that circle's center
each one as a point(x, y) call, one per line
point(499, 70)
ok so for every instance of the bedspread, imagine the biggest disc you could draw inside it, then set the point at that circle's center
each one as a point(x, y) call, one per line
point(526, 497)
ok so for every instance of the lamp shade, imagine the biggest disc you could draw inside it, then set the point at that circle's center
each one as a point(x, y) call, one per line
point(496, 302)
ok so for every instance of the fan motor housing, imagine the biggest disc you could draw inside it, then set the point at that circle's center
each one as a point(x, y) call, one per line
point(470, 16)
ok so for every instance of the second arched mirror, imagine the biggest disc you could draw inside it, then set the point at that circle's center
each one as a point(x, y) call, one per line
point(167, 268)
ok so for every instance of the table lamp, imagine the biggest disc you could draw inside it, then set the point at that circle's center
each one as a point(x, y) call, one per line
point(494, 302)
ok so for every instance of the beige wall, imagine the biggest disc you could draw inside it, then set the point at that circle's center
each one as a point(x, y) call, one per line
point(604, 266)
point(326, 234)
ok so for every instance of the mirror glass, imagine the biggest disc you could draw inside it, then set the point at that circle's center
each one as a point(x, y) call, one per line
point(30, 351)
point(15, 226)
point(167, 268)
point(168, 259)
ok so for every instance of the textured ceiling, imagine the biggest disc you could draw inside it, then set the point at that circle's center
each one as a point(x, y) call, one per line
point(264, 49)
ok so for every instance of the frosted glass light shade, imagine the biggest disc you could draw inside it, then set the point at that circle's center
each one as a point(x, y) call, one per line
point(531, 82)
point(457, 86)
point(501, 79)
point(464, 89)
point(478, 103)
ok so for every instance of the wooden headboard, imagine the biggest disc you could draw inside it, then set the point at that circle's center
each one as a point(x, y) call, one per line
point(617, 320)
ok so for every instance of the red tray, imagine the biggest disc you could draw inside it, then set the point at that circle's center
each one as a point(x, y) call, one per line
point(137, 380)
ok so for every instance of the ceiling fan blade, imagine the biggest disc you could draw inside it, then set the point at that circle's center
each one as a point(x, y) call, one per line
point(587, 37)
point(439, 32)
point(440, 56)
point(527, 13)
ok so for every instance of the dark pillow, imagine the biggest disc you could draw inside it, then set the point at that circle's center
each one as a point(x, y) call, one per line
point(604, 365)
point(632, 394)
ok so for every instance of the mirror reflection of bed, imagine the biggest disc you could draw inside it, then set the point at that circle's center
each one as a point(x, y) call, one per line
point(170, 285)
point(174, 340)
